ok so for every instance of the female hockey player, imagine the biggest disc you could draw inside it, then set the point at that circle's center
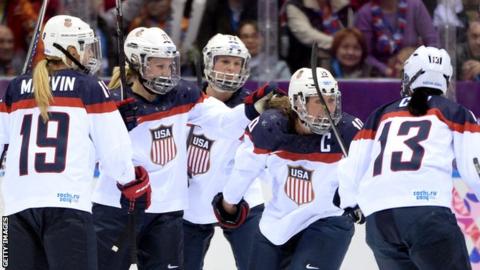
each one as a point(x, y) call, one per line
point(300, 228)
point(399, 170)
point(210, 161)
point(157, 111)
point(56, 123)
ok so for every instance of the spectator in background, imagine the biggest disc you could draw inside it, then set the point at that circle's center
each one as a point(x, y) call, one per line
point(468, 54)
point(250, 35)
point(9, 65)
point(224, 16)
point(390, 25)
point(396, 63)
point(349, 51)
point(357, 4)
point(155, 13)
point(312, 21)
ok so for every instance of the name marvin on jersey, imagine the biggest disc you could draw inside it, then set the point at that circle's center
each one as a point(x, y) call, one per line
point(58, 83)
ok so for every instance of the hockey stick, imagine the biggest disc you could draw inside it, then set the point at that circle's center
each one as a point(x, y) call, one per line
point(121, 55)
point(477, 165)
point(313, 64)
point(34, 42)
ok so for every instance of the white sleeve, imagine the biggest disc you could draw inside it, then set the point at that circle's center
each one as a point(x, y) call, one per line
point(352, 168)
point(466, 146)
point(113, 146)
point(212, 114)
point(248, 165)
point(109, 135)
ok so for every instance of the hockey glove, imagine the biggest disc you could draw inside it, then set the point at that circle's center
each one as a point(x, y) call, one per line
point(136, 194)
point(128, 111)
point(255, 102)
point(226, 220)
point(355, 214)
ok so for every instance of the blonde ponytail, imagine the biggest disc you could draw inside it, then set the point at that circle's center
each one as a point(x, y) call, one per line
point(115, 81)
point(42, 92)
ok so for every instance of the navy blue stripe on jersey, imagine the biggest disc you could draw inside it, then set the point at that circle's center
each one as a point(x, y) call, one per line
point(454, 115)
point(270, 134)
point(65, 102)
point(238, 97)
point(69, 88)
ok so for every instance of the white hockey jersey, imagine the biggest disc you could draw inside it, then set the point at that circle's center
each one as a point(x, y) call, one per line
point(51, 164)
point(210, 163)
point(159, 142)
point(303, 168)
point(399, 160)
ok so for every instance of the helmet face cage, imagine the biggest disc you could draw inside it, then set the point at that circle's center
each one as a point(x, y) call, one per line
point(161, 84)
point(145, 48)
point(317, 124)
point(225, 45)
point(91, 55)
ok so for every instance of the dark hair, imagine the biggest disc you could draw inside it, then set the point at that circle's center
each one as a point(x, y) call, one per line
point(418, 105)
point(342, 34)
point(246, 22)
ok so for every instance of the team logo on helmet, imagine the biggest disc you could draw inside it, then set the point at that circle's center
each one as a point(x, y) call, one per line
point(67, 22)
point(139, 32)
point(199, 154)
point(299, 186)
point(163, 145)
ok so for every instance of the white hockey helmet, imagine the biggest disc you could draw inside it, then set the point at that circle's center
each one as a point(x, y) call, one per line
point(141, 46)
point(225, 45)
point(302, 87)
point(426, 67)
point(63, 31)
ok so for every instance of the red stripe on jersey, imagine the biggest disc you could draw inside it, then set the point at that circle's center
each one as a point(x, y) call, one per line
point(57, 101)
point(159, 115)
point(321, 157)
point(469, 127)
point(103, 107)
point(365, 134)
point(4, 108)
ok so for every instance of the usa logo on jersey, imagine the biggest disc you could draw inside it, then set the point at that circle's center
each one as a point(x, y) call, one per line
point(298, 186)
point(163, 145)
point(199, 154)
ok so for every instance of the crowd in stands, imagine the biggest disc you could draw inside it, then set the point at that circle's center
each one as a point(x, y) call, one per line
point(355, 39)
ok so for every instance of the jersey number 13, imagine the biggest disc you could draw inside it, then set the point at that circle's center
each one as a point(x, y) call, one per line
point(413, 143)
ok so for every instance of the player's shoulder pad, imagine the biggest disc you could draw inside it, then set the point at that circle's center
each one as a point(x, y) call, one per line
point(238, 97)
point(187, 92)
point(452, 111)
point(269, 130)
point(96, 91)
point(373, 120)
point(348, 126)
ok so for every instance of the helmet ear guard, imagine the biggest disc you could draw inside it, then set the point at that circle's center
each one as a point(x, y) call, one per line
point(225, 45)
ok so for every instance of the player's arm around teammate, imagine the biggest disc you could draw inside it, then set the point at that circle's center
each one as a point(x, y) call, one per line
point(300, 227)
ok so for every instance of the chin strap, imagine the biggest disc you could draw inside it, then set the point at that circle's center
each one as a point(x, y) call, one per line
point(74, 60)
